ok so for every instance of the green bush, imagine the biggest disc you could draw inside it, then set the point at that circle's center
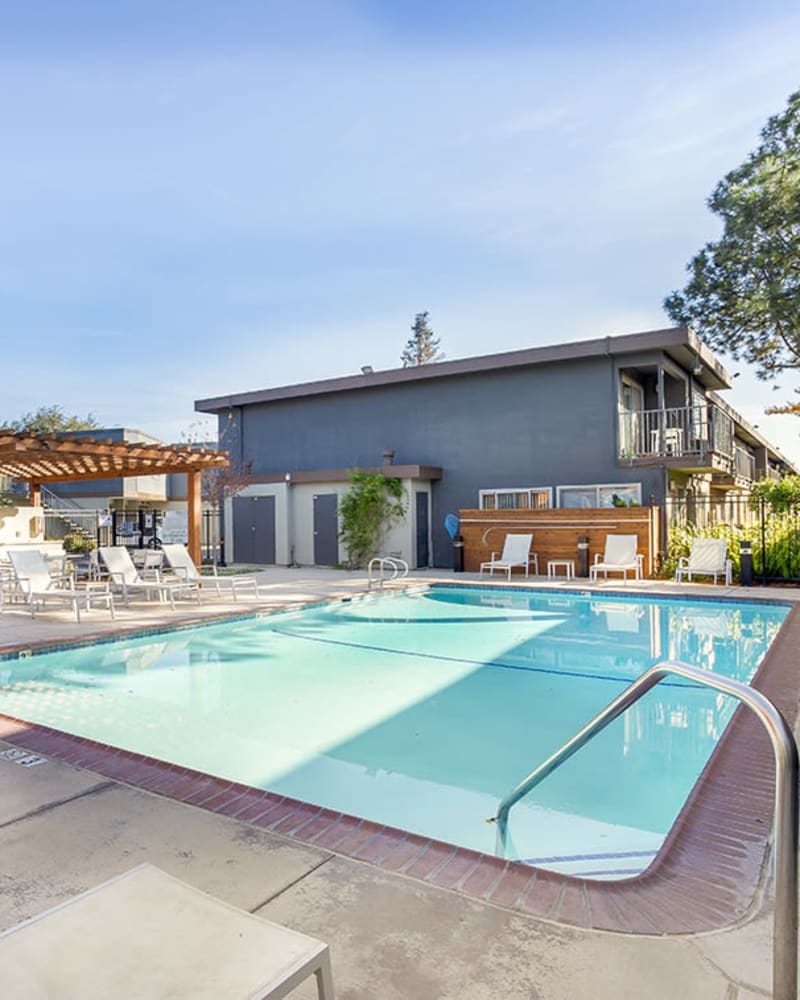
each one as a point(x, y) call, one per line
point(681, 537)
point(369, 508)
point(780, 535)
point(781, 495)
point(76, 544)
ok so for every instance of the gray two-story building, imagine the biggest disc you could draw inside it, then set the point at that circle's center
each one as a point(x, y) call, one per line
point(634, 418)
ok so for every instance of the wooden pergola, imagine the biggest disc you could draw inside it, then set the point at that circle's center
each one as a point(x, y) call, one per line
point(69, 458)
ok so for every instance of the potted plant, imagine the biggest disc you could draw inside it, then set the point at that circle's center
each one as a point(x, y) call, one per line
point(76, 544)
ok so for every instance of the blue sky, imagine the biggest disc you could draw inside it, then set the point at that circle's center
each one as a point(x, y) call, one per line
point(201, 198)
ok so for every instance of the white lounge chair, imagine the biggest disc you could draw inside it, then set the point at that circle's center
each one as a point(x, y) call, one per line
point(182, 565)
point(35, 583)
point(706, 558)
point(620, 556)
point(124, 575)
point(516, 552)
point(144, 933)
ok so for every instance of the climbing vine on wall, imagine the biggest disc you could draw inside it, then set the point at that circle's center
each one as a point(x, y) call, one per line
point(370, 507)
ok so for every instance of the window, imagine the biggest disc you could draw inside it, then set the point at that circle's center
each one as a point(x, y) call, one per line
point(531, 498)
point(599, 496)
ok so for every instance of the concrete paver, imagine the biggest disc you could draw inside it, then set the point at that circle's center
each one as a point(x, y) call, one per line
point(55, 854)
point(744, 952)
point(27, 789)
point(396, 939)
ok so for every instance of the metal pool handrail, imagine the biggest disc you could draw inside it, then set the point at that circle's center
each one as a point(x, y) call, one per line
point(398, 566)
point(784, 952)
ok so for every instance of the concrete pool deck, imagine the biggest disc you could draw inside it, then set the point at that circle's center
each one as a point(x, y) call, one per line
point(64, 829)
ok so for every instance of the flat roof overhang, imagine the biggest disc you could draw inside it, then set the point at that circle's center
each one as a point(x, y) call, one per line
point(680, 343)
point(424, 473)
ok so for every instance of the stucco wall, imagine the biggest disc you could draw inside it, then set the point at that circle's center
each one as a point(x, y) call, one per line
point(545, 425)
point(294, 521)
point(21, 525)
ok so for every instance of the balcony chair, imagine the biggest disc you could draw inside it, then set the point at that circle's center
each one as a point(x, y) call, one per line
point(182, 565)
point(516, 552)
point(620, 556)
point(706, 558)
point(35, 583)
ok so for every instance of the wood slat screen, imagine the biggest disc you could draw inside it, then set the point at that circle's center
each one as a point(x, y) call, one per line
point(556, 532)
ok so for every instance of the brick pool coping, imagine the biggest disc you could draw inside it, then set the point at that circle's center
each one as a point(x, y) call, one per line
point(705, 876)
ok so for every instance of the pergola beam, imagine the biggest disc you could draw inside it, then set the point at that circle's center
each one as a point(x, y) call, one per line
point(139, 470)
point(56, 458)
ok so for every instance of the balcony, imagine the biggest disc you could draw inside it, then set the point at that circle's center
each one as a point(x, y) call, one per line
point(744, 464)
point(694, 438)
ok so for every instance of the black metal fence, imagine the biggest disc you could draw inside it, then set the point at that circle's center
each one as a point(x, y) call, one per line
point(141, 529)
point(772, 529)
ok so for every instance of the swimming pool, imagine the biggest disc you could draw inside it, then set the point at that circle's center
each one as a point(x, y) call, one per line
point(421, 711)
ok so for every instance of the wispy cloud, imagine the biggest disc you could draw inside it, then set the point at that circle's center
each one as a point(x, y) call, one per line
point(275, 202)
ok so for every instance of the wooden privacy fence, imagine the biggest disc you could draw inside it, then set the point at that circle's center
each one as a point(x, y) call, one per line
point(556, 532)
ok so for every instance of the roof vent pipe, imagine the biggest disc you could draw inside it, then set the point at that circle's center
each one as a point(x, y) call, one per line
point(388, 456)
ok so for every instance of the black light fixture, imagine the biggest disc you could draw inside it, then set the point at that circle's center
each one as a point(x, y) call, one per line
point(366, 369)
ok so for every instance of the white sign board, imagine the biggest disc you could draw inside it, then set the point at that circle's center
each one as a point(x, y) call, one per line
point(174, 528)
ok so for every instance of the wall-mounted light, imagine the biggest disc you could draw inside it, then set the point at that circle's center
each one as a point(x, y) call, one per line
point(697, 367)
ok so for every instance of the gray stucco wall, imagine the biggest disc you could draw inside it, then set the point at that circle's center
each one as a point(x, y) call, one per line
point(546, 425)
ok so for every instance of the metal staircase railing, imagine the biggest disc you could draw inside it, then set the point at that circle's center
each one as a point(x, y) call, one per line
point(52, 501)
point(784, 953)
point(79, 520)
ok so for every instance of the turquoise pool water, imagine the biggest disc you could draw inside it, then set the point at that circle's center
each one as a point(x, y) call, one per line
point(422, 710)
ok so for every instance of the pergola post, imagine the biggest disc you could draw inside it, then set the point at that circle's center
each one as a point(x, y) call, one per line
point(194, 504)
point(41, 459)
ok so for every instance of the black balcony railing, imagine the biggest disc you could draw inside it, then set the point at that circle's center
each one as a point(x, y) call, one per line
point(682, 431)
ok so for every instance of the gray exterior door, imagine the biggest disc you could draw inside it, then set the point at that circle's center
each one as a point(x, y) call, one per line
point(326, 529)
point(254, 529)
point(422, 529)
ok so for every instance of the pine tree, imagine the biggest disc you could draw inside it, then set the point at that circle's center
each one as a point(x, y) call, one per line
point(422, 347)
point(743, 295)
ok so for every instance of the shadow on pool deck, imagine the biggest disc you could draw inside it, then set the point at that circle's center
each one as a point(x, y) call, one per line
point(63, 829)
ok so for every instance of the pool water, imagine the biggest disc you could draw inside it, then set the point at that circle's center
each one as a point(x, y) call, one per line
point(422, 710)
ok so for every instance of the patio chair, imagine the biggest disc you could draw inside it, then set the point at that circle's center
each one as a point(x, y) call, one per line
point(124, 575)
point(36, 585)
point(182, 565)
point(516, 552)
point(706, 558)
point(620, 556)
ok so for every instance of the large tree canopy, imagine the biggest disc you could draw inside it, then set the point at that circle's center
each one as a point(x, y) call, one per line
point(743, 295)
point(49, 420)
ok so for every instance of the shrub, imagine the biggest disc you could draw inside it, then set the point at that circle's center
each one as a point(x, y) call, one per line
point(681, 537)
point(370, 507)
point(76, 543)
point(780, 494)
